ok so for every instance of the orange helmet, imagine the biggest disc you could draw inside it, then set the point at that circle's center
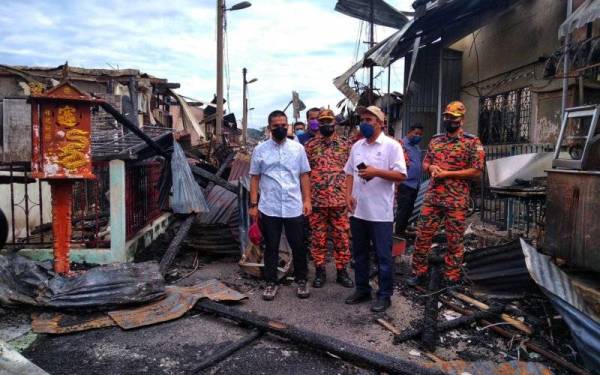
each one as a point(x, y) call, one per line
point(456, 109)
point(326, 115)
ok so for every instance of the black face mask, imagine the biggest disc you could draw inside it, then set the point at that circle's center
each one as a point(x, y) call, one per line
point(326, 130)
point(451, 126)
point(279, 133)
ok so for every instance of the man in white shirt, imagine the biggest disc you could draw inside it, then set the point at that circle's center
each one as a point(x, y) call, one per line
point(279, 169)
point(375, 164)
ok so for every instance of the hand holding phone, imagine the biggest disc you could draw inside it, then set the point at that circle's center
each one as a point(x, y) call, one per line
point(362, 166)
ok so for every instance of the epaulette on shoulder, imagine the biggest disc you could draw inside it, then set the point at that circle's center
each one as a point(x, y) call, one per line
point(438, 135)
point(469, 135)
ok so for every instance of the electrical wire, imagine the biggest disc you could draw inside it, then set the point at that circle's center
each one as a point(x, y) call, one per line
point(358, 41)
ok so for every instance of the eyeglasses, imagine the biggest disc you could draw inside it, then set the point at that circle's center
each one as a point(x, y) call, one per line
point(325, 123)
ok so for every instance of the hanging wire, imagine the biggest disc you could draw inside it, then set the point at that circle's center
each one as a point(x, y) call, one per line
point(358, 41)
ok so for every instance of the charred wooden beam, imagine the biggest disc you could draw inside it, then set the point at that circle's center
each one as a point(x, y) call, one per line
point(527, 344)
point(429, 337)
point(227, 351)
point(175, 244)
point(214, 178)
point(505, 317)
point(226, 163)
point(312, 340)
point(413, 333)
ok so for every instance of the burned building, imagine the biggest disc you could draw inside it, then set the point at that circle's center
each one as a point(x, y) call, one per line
point(117, 212)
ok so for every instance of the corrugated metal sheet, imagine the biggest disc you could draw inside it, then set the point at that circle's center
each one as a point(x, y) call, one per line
point(499, 269)
point(582, 321)
point(222, 205)
point(547, 275)
point(378, 11)
point(219, 230)
point(240, 167)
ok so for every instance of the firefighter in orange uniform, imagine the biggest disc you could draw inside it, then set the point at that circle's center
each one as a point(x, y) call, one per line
point(453, 158)
point(327, 154)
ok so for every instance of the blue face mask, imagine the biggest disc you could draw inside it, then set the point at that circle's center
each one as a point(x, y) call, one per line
point(367, 130)
point(299, 132)
point(415, 139)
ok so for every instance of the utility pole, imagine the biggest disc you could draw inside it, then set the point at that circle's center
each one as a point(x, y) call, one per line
point(245, 110)
point(220, 27)
point(371, 44)
point(245, 106)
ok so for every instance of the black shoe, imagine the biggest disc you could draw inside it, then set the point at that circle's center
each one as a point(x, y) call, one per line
point(302, 291)
point(415, 280)
point(358, 297)
point(320, 277)
point(344, 279)
point(381, 305)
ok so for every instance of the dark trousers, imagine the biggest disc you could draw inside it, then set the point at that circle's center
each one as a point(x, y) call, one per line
point(406, 204)
point(294, 231)
point(380, 235)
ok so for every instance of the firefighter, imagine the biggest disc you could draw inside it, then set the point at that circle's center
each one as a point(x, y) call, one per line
point(453, 159)
point(327, 154)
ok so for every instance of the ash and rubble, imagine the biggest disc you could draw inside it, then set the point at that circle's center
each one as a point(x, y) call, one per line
point(177, 346)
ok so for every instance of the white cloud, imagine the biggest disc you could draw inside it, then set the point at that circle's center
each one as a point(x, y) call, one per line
point(286, 44)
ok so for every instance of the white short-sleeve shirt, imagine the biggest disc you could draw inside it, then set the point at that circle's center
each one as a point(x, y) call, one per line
point(375, 198)
point(279, 167)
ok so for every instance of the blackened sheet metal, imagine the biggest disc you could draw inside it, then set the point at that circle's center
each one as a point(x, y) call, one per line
point(61, 323)
point(585, 332)
point(581, 319)
point(222, 206)
point(383, 13)
point(178, 301)
point(499, 269)
point(23, 281)
point(240, 168)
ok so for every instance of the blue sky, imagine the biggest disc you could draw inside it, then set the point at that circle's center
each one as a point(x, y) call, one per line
point(286, 44)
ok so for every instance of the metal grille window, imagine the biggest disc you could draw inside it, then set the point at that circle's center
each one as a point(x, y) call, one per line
point(505, 118)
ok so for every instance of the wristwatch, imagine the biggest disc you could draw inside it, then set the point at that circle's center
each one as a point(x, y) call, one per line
point(252, 205)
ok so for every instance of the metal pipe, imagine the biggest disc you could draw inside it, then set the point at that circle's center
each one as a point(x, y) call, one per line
point(565, 88)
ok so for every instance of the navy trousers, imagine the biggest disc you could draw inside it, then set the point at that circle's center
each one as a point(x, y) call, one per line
point(380, 235)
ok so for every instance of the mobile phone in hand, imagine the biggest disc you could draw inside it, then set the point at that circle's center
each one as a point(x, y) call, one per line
point(362, 166)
